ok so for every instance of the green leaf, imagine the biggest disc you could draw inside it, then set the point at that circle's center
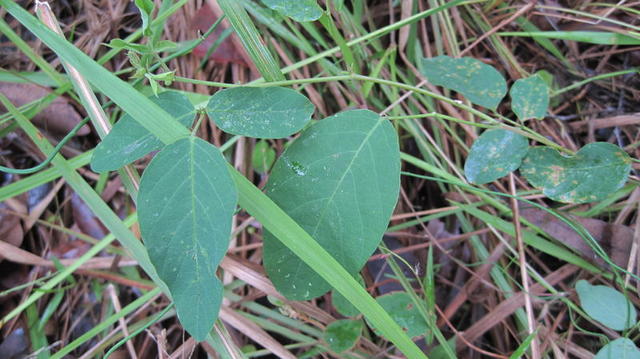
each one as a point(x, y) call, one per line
point(606, 305)
point(343, 334)
point(129, 141)
point(621, 348)
point(263, 157)
point(146, 8)
point(269, 112)
point(401, 308)
point(440, 352)
point(342, 305)
point(340, 181)
point(596, 171)
point(530, 98)
point(185, 205)
point(121, 44)
point(299, 10)
point(478, 82)
point(495, 154)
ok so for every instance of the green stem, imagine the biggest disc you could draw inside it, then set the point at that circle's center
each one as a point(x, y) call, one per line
point(594, 78)
point(51, 156)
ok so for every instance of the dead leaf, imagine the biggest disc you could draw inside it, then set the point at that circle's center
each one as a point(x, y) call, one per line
point(15, 345)
point(59, 117)
point(85, 219)
point(615, 239)
point(11, 230)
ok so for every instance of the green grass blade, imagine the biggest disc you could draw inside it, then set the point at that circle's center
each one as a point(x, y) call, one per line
point(590, 37)
point(250, 38)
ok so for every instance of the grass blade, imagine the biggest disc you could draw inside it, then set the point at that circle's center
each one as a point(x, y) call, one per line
point(250, 38)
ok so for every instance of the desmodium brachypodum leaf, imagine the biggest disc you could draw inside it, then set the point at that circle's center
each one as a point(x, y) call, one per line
point(606, 305)
point(269, 112)
point(343, 334)
point(621, 348)
point(530, 97)
point(339, 181)
point(299, 10)
point(402, 309)
point(186, 202)
point(495, 154)
point(262, 157)
point(128, 140)
point(478, 82)
point(596, 171)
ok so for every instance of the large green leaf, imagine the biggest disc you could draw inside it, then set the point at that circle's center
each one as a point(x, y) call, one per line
point(343, 334)
point(299, 10)
point(597, 170)
point(185, 205)
point(269, 112)
point(128, 140)
point(478, 82)
point(621, 348)
point(606, 305)
point(340, 181)
point(530, 97)
point(495, 154)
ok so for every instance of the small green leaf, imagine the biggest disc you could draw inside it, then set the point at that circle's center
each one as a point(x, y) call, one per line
point(269, 112)
point(530, 98)
point(401, 308)
point(165, 45)
point(621, 348)
point(146, 8)
point(596, 171)
point(342, 305)
point(263, 157)
point(606, 305)
point(343, 334)
point(185, 205)
point(129, 141)
point(299, 10)
point(494, 154)
point(340, 181)
point(478, 82)
point(121, 44)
